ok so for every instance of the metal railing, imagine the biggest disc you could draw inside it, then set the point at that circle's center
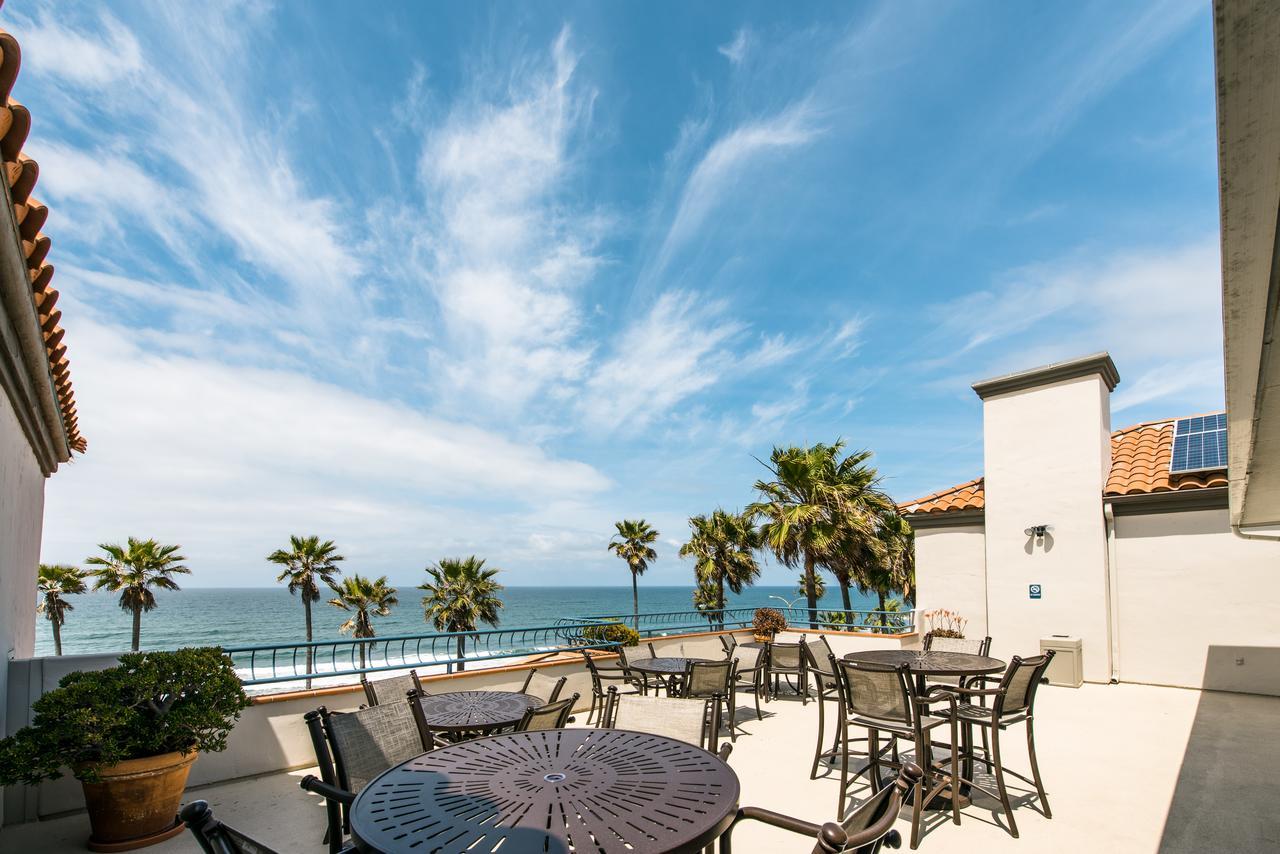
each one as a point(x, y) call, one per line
point(660, 623)
point(334, 659)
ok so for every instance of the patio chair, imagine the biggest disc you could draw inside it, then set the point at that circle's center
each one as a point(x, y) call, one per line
point(866, 829)
point(1012, 701)
point(703, 679)
point(787, 659)
point(642, 681)
point(882, 699)
point(215, 837)
point(354, 747)
point(551, 716)
point(729, 642)
point(543, 686)
point(391, 690)
point(600, 674)
point(750, 673)
point(972, 646)
point(818, 655)
point(688, 720)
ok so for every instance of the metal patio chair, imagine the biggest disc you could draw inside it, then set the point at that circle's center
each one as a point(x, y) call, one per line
point(1012, 701)
point(354, 747)
point(703, 679)
point(215, 837)
point(750, 674)
point(866, 829)
point(818, 657)
point(688, 720)
point(729, 642)
point(551, 716)
point(543, 686)
point(787, 659)
point(882, 699)
point(601, 674)
point(391, 690)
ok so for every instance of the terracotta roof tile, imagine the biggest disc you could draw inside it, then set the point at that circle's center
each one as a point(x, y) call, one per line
point(1140, 458)
point(21, 174)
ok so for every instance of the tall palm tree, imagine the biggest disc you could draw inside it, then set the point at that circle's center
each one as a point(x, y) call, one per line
point(802, 507)
point(133, 570)
point(308, 563)
point(461, 592)
point(632, 544)
point(723, 546)
point(368, 598)
point(55, 581)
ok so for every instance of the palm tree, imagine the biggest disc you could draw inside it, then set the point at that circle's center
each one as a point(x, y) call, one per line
point(135, 569)
point(896, 569)
point(368, 598)
point(631, 543)
point(723, 545)
point(461, 593)
point(307, 563)
point(55, 581)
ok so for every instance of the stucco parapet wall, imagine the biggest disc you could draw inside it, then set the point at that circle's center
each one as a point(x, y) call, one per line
point(1084, 366)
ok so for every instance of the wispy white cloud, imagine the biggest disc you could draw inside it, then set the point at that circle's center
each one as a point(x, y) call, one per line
point(87, 59)
point(676, 350)
point(725, 165)
point(736, 50)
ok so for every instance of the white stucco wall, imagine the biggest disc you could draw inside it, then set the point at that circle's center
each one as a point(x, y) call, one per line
point(1047, 451)
point(1192, 599)
point(21, 519)
point(951, 573)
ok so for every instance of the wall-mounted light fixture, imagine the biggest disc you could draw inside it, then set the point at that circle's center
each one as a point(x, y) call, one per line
point(1038, 531)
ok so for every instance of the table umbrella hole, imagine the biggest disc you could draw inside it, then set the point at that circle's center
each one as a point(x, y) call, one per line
point(554, 778)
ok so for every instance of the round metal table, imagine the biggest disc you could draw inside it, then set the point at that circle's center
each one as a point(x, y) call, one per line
point(598, 790)
point(462, 711)
point(923, 664)
point(666, 666)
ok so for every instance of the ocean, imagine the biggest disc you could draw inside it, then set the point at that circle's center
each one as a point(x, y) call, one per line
point(243, 616)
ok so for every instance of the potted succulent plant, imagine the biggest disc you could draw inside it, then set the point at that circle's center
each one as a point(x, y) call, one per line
point(767, 622)
point(129, 734)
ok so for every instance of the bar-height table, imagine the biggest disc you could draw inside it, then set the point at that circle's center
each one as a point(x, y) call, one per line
point(668, 668)
point(599, 790)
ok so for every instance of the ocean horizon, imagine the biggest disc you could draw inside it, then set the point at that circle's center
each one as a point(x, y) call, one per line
point(246, 616)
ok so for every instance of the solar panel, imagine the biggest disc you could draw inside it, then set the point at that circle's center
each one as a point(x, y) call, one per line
point(1199, 443)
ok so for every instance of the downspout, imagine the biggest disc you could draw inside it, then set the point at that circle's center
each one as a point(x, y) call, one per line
point(1113, 593)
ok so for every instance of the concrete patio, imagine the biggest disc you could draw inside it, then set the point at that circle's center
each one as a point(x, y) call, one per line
point(1128, 767)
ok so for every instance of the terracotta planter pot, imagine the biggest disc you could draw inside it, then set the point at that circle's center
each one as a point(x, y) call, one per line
point(763, 638)
point(136, 802)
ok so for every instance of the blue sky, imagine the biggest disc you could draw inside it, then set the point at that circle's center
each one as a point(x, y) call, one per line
point(443, 279)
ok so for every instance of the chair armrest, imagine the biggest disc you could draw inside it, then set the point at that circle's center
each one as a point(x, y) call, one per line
point(312, 783)
point(777, 819)
point(977, 692)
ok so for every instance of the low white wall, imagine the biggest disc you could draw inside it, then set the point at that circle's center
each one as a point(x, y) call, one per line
point(1193, 600)
point(271, 735)
point(951, 573)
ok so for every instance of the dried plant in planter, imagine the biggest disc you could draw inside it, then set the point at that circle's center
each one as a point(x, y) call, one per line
point(767, 622)
point(942, 623)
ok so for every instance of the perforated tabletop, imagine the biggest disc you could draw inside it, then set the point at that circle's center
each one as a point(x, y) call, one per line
point(668, 666)
point(930, 663)
point(596, 790)
point(475, 710)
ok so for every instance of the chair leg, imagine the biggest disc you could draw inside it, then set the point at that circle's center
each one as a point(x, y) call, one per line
point(1035, 770)
point(844, 767)
point(759, 716)
point(592, 710)
point(998, 768)
point(916, 806)
point(955, 772)
point(817, 751)
point(733, 715)
point(873, 754)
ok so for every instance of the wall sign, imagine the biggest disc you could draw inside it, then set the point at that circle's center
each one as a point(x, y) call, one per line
point(1034, 590)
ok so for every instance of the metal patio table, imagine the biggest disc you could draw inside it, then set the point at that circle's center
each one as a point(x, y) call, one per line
point(669, 668)
point(923, 664)
point(560, 790)
point(475, 711)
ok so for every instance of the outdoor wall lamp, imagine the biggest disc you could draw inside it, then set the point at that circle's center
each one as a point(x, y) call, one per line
point(1038, 531)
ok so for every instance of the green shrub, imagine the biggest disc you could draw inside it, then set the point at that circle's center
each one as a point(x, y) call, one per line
point(618, 633)
point(151, 703)
point(768, 621)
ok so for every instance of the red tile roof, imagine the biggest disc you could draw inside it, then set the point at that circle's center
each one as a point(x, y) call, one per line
point(20, 173)
point(1140, 458)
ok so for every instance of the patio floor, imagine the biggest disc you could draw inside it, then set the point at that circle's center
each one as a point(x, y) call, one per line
point(1130, 768)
